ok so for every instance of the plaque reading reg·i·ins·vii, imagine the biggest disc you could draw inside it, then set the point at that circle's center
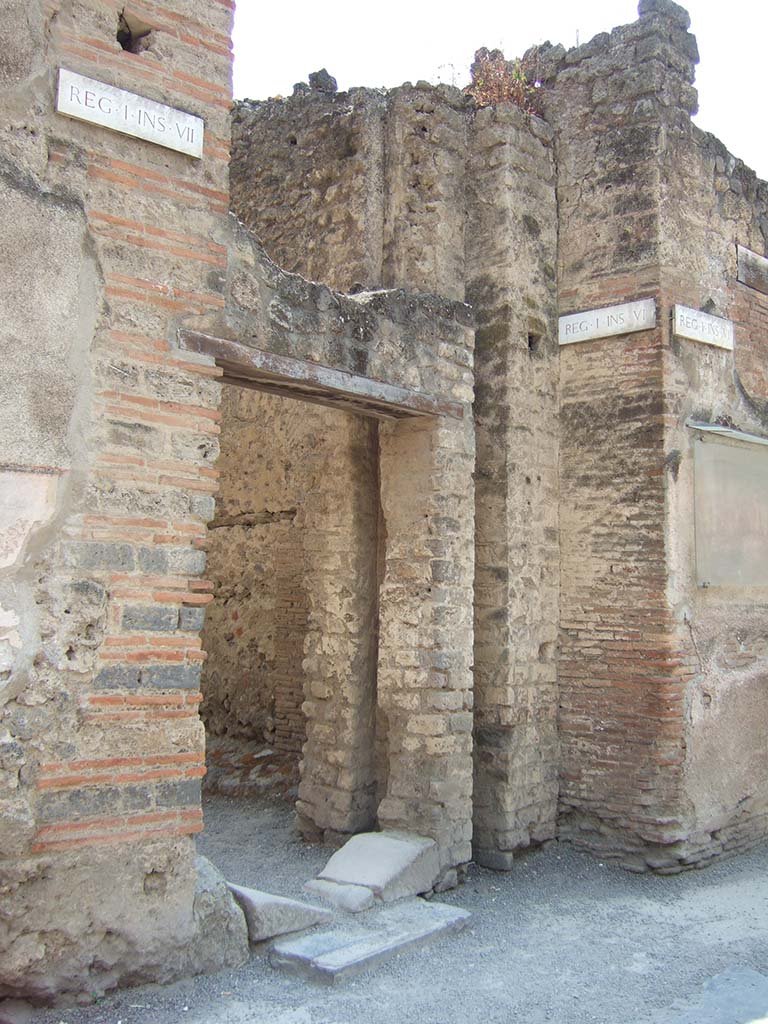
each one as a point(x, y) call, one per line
point(86, 99)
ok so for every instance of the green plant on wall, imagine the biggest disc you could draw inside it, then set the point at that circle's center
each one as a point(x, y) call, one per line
point(496, 80)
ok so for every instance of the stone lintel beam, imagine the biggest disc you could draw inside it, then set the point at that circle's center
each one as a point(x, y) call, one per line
point(313, 382)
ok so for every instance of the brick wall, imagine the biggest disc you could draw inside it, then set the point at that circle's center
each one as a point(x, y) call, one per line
point(720, 631)
point(647, 209)
point(102, 718)
point(102, 586)
point(622, 683)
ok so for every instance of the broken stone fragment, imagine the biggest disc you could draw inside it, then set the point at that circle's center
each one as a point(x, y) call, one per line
point(221, 938)
point(267, 915)
point(391, 864)
point(321, 81)
point(352, 898)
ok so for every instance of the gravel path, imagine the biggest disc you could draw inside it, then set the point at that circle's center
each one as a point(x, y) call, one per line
point(562, 938)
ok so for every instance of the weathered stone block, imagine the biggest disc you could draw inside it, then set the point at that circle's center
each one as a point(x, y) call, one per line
point(351, 898)
point(118, 677)
point(114, 557)
point(151, 618)
point(171, 677)
point(391, 864)
point(331, 957)
point(178, 794)
point(191, 620)
point(268, 916)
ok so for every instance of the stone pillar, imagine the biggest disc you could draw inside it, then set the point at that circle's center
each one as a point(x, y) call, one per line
point(425, 655)
point(337, 789)
point(511, 253)
point(623, 681)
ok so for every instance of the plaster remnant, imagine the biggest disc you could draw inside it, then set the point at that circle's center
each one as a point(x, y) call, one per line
point(27, 501)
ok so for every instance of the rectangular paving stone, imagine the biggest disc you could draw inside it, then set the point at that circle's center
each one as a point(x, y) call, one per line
point(331, 957)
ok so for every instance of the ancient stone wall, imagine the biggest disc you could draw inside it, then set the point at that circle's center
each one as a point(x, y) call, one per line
point(645, 208)
point(326, 153)
point(622, 682)
point(465, 205)
point(110, 435)
point(275, 459)
point(511, 269)
point(108, 483)
point(255, 627)
point(722, 630)
point(357, 189)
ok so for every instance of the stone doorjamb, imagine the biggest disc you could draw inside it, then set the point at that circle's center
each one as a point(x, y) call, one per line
point(424, 674)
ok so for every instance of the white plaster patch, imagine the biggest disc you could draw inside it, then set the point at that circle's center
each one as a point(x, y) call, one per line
point(27, 500)
point(10, 638)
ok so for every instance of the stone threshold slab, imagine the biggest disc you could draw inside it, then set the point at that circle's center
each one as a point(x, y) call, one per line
point(333, 956)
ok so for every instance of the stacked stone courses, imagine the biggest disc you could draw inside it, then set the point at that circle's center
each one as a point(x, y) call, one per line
point(434, 171)
point(102, 743)
point(595, 198)
point(458, 579)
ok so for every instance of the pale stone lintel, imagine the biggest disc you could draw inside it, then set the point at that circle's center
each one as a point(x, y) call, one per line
point(87, 99)
point(697, 326)
point(313, 382)
point(752, 269)
point(608, 322)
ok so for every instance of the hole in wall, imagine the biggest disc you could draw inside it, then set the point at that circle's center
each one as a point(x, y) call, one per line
point(534, 340)
point(133, 34)
point(292, 140)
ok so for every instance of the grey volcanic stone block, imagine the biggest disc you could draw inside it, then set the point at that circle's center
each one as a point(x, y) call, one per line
point(267, 915)
point(352, 898)
point(391, 864)
point(171, 677)
point(330, 957)
point(155, 618)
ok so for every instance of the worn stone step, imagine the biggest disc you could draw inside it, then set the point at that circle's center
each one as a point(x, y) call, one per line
point(391, 864)
point(268, 916)
point(333, 956)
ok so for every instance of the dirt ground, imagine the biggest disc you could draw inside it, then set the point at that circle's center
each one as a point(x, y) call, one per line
point(562, 938)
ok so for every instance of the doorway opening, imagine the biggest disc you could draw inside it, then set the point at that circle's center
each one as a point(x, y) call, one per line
point(289, 685)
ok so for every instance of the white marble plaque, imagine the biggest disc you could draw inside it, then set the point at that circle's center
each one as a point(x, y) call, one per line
point(608, 321)
point(125, 112)
point(712, 330)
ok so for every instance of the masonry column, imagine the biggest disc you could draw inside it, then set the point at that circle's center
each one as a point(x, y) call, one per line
point(511, 254)
point(615, 104)
point(337, 789)
point(425, 660)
